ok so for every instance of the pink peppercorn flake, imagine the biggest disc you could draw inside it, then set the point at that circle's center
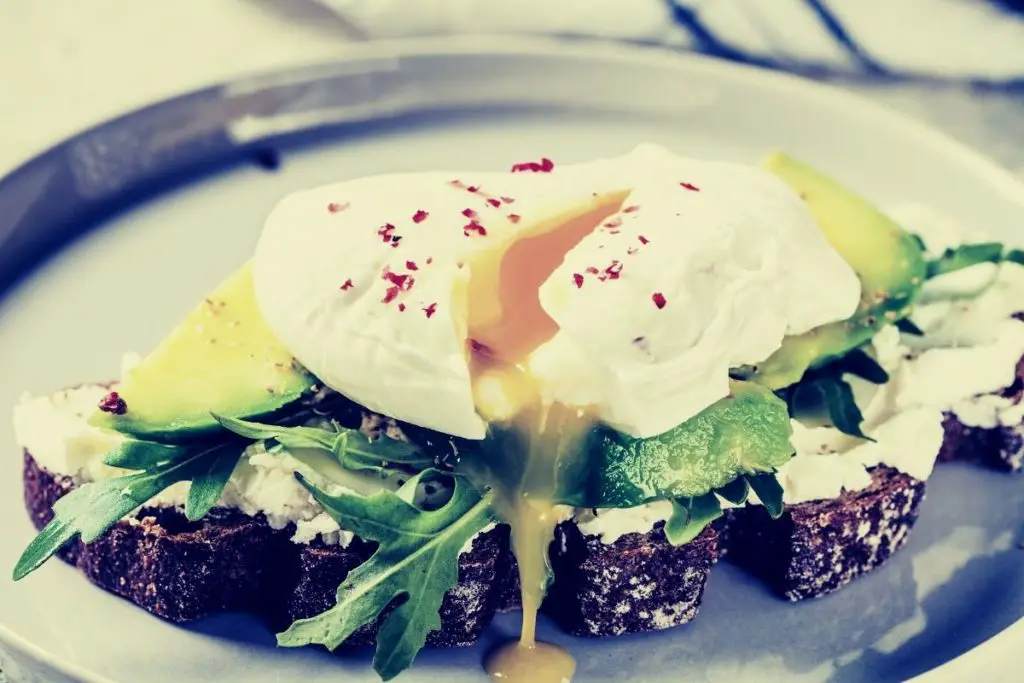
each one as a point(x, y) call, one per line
point(457, 183)
point(612, 272)
point(578, 279)
point(592, 270)
point(387, 232)
point(507, 200)
point(113, 403)
point(401, 281)
point(659, 299)
point(430, 259)
point(469, 213)
point(401, 308)
point(335, 207)
point(347, 285)
point(394, 242)
point(643, 240)
point(473, 228)
point(544, 166)
point(473, 188)
point(614, 223)
point(419, 216)
point(430, 310)
point(690, 186)
point(631, 209)
point(514, 217)
point(390, 295)
point(411, 265)
point(494, 202)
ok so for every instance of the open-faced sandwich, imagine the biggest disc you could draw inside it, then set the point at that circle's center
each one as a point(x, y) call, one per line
point(433, 396)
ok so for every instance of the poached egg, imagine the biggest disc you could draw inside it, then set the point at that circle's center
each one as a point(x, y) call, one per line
point(627, 286)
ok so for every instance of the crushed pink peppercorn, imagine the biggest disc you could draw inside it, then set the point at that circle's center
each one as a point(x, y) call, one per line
point(545, 165)
point(430, 310)
point(514, 217)
point(473, 228)
point(113, 403)
point(643, 240)
point(633, 208)
point(401, 308)
point(659, 299)
point(391, 294)
point(507, 200)
point(494, 202)
point(690, 186)
point(420, 216)
point(578, 279)
point(347, 285)
point(335, 207)
point(411, 265)
point(469, 213)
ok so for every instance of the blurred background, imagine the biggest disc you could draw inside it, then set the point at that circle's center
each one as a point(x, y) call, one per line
point(66, 64)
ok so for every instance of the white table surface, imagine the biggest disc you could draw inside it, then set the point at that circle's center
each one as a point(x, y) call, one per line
point(68, 64)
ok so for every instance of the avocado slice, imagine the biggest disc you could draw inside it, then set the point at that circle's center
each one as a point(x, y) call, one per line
point(223, 358)
point(889, 261)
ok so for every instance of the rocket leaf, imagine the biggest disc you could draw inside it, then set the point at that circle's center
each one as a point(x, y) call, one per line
point(415, 564)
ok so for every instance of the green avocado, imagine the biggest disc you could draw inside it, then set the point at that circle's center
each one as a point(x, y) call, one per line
point(223, 359)
point(889, 261)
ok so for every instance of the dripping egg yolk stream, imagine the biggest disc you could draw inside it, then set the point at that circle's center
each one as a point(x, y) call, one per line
point(506, 323)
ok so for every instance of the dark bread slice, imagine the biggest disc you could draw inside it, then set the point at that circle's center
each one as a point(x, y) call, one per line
point(817, 547)
point(183, 571)
point(639, 583)
point(1000, 447)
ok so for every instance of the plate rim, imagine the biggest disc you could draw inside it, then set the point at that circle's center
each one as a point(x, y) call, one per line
point(999, 647)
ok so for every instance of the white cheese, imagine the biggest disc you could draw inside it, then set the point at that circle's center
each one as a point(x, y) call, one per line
point(731, 252)
point(611, 524)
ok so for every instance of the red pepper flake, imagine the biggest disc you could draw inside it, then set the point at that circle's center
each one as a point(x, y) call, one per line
point(430, 310)
point(691, 187)
point(612, 272)
point(113, 403)
point(578, 279)
point(614, 223)
point(544, 166)
point(419, 216)
point(411, 265)
point(386, 232)
point(507, 200)
point(631, 209)
point(348, 285)
point(401, 281)
point(335, 207)
point(390, 295)
point(401, 308)
point(514, 217)
point(494, 202)
point(472, 228)
point(469, 213)
point(643, 240)
point(430, 259)
point(659, 299)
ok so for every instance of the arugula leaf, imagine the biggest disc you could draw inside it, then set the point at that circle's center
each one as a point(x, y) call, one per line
point(736, 492)
point(1014, 256)
point(859, 363)
point(91, 509)
point(209, 482)
point(907, 326)
point(769, 492)
point(416, 563)
point(133, 454)
point(690, 516)
point(352, 448)
point(834, 395)
point(964, 256)
point(745, 433)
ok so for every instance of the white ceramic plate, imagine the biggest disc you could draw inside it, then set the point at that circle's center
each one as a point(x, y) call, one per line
point(485, 104)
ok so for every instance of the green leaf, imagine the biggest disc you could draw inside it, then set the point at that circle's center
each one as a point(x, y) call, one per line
point(132, 454)
point(91, 509)
point(690, 516)
point(907, 326)
point(769, 492)
point(209, 482)
point(736, 491)
point(1014, 256)
point(919, 241)
point(415, 564)
point(965, 256)
point(351, 447)
point(859, 363)
point(745, 433)
point(833, 395)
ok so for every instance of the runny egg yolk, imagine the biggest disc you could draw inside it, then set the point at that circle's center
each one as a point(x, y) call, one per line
point(506, 323)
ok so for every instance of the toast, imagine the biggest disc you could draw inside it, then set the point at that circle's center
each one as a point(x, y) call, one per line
point(182, 571)
point(817, 547)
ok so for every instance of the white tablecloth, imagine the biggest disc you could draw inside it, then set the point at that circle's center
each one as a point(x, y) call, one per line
point(67, 64)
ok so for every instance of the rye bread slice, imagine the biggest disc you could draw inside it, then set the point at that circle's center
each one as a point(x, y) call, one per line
point(817, 547)
point(182, 571)
point(639, 583)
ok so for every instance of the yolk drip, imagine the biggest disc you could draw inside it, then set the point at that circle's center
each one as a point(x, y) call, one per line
point(506, 324)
